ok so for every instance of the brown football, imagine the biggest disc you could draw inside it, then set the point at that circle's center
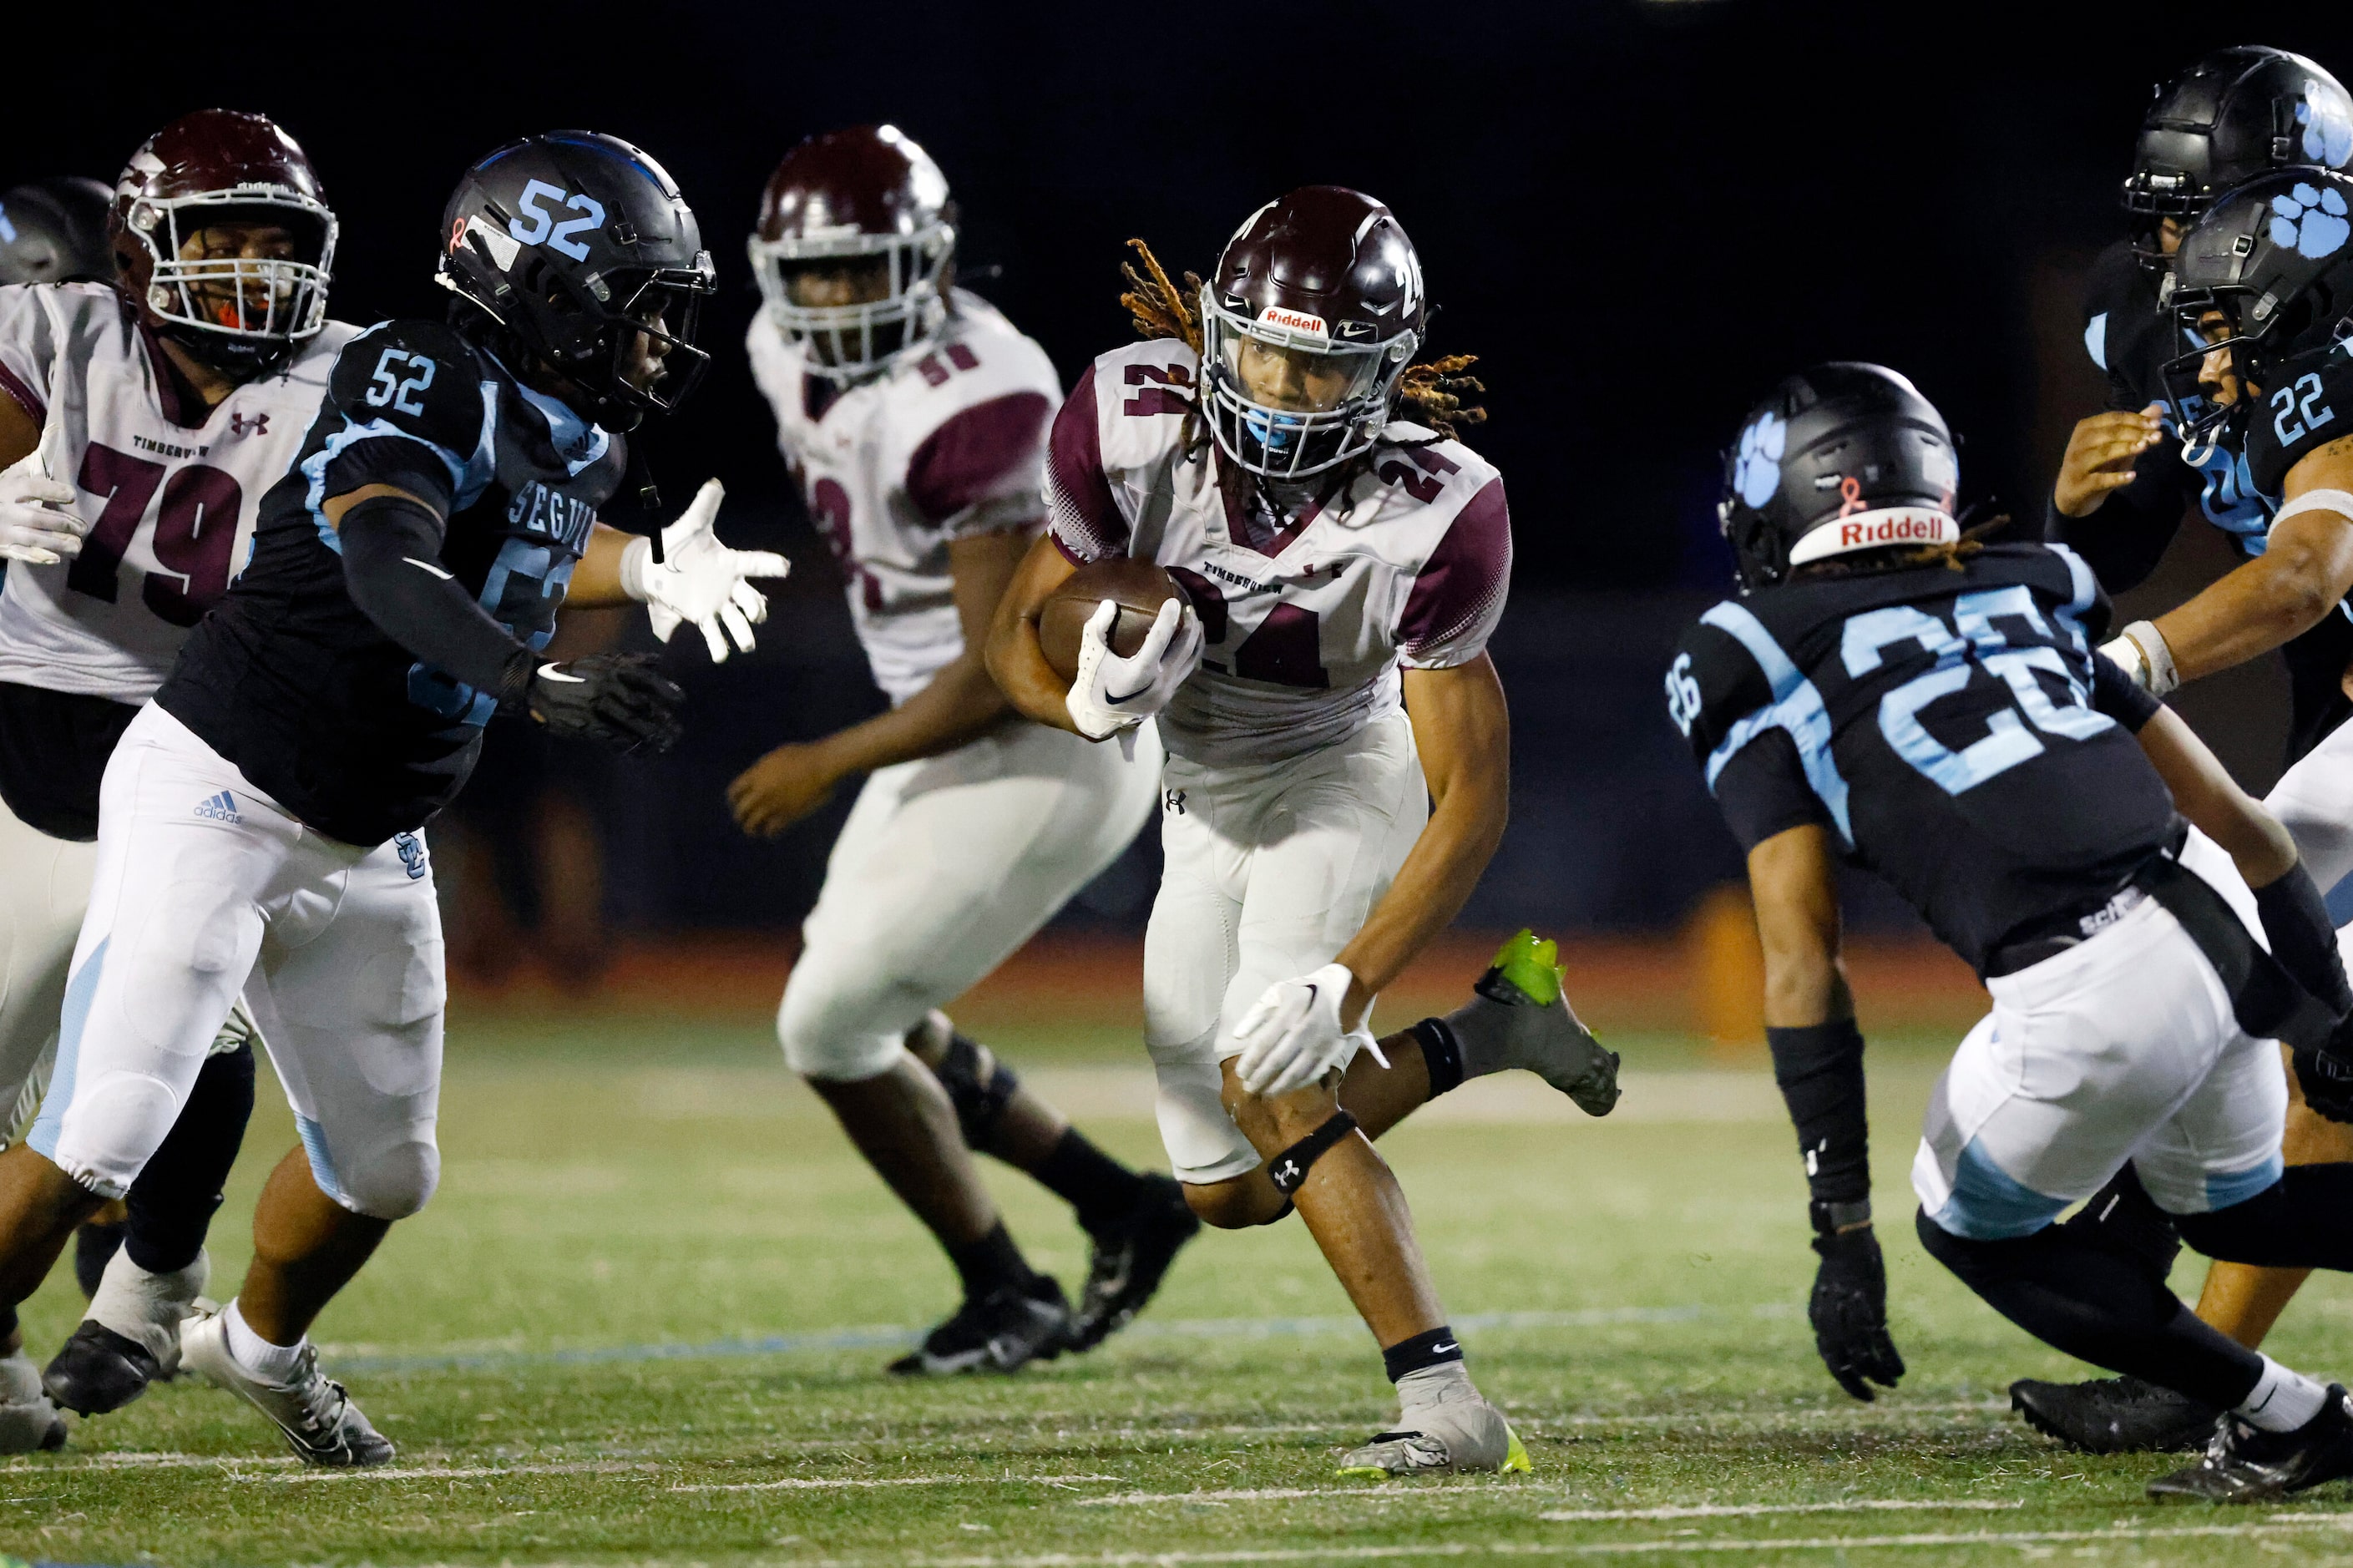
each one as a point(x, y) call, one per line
point(1138, 587)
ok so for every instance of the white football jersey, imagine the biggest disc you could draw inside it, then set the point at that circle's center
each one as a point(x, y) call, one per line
point(171, 505)
point(944, 444)
point(1305, 620)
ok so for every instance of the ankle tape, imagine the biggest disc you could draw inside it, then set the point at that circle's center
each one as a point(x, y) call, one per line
point(979, 1097)
point(1290, 1168)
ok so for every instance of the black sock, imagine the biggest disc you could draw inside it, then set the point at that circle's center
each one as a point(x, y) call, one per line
point(1433, 1349)
point(1098, 1187)
point(991, 1263)
point(1442, 1055)
point(2100, 1306)
point(171, 1204)
point(2297, 1222)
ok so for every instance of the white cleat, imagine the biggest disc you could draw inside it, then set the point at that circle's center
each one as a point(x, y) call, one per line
point(29, 1424)
point(321, 1423)
point(1456, 1431)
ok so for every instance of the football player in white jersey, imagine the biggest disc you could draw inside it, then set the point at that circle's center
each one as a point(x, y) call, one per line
point(141, 420)
point(914, 418)
point(1338, 749)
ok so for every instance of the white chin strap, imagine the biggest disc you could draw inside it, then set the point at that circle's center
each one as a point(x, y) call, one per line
point(1892, 525)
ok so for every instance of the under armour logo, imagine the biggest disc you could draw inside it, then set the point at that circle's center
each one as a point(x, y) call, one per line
point(241, 425)
point(1286, 1174)
point(1173, 802)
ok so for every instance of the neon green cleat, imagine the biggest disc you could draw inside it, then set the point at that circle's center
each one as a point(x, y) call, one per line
point(1530, 967)
point(1519, 1017)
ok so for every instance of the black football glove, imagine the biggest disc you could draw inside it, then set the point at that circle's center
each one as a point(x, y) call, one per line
point(2327, 1080)
point(616, 698)
point(1850, 1314)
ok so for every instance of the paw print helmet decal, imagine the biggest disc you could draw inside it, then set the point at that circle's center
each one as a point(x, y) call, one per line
point(1840, 459)
point(2235, 114)
point(2267, 274)
point(1308, 324)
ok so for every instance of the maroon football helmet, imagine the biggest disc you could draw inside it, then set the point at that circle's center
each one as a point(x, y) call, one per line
point(241, 314)
point(866, 192)
point(1313, 312)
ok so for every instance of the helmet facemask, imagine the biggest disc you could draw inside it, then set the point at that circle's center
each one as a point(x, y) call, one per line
point(235, 313)
point(1336, 394)
point(847, 341)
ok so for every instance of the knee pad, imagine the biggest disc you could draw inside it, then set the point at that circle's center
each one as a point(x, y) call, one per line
point(978, 1086)
point(1290, 1168)
point(824, 1037)
point(393, 1183)
point(112, 1128)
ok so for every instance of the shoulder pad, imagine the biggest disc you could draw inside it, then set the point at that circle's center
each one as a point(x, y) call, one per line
point(418, 378)
point(2312, 407)
point(1713, 683)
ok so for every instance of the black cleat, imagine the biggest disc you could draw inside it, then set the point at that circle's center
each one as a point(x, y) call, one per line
point(99, 1370)
point(2247, 1463)
point(2115, 1416)
point(95, 1245)
point(1003, 1331)
point(1130, 1258)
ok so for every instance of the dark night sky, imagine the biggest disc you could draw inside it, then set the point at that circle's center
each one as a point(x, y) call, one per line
point(1639, 215)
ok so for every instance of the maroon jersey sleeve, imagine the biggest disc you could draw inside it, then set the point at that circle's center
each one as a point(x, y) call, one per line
point(1084, 520)
point(978, 473)
point(1458, 596)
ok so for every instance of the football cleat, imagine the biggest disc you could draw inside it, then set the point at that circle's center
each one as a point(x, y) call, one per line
point(28, 1421)
point(99, 1370)
point(1541, 1033)
point(2243, 1463)
point(1459, 1432)
point(130, 1337)
point(1130, 1258)
point(2115, 1416)
point(1003, 1331)
point(321, 1423)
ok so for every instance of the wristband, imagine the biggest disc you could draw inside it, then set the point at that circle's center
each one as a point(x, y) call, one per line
point(635, 556)
point(1831, 1218)
point(2158, 674)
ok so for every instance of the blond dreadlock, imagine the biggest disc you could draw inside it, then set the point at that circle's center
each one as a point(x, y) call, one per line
point(1432, 393)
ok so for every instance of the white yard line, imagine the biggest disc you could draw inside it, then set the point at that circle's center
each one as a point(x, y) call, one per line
point(1508, 1491)
point(466, 1472)
point(1759, 1509)
point(842, 1483)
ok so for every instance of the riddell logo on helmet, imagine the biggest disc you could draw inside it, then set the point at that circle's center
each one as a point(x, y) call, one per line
point(1292, 321)
point(1876, 529)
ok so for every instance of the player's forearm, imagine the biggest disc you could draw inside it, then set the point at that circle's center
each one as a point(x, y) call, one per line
point(961, 704)
point(394, 577)
point(1464, 828)
point(597, 580)
point(2268, 601)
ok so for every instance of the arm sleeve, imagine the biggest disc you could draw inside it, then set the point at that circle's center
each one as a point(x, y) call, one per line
point(2127, 534)
point(2118, 696)
point(1819, 1070)
point(391, 550)
point(1458, 596)
point(978, 472)
point(1083, 519)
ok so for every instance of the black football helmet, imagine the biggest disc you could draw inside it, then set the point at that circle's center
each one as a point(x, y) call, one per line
point(1321, 290)
point(1839, 459)
point(54, 231)
point(2231, 116)
point(2273, 256)
point(579, 246)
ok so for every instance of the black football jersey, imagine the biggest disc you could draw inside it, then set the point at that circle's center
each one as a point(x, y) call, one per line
point(287, 678)
point(1943, 724)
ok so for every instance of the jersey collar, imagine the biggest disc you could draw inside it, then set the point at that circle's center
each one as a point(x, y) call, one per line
point(578, 443)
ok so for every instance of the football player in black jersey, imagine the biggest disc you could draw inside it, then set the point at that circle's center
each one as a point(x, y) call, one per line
point(261, 817)
point(1887, 693)
point(2262, 289)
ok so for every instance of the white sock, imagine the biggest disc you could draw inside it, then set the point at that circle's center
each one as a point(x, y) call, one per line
point(262, 1359)
point(2282, 1399)
point(137, 1304)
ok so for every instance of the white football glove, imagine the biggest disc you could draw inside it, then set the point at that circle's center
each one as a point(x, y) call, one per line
point(1109, 693)
point(38, 523)
point(701, 580)
point(1293, 1036)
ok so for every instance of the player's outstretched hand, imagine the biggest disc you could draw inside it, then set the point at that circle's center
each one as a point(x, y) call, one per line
point(2326, 1080)
point(781, 788)
point(2100, 457)
point(699, 580)
point(1292, 1036)
point(39, 524)
point(1850, 1314)
point(1109, 693)
point(616, 698)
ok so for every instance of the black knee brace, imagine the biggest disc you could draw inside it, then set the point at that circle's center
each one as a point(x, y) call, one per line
point(978, 1086)
point(171, 1206)
point(2121, 1218)
point(1290, 1168)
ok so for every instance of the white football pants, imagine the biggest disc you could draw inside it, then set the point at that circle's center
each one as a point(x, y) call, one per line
point(1270, 870)
point(204, 886)
point(2122, 1048)
point(44, 889)
point(946, 866)
point(2314, 800)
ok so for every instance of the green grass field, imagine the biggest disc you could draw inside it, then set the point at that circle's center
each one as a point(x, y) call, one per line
point(568, 1347)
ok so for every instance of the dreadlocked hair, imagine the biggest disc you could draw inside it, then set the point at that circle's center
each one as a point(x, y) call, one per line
point(1433, 392)
point(1156, 305)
